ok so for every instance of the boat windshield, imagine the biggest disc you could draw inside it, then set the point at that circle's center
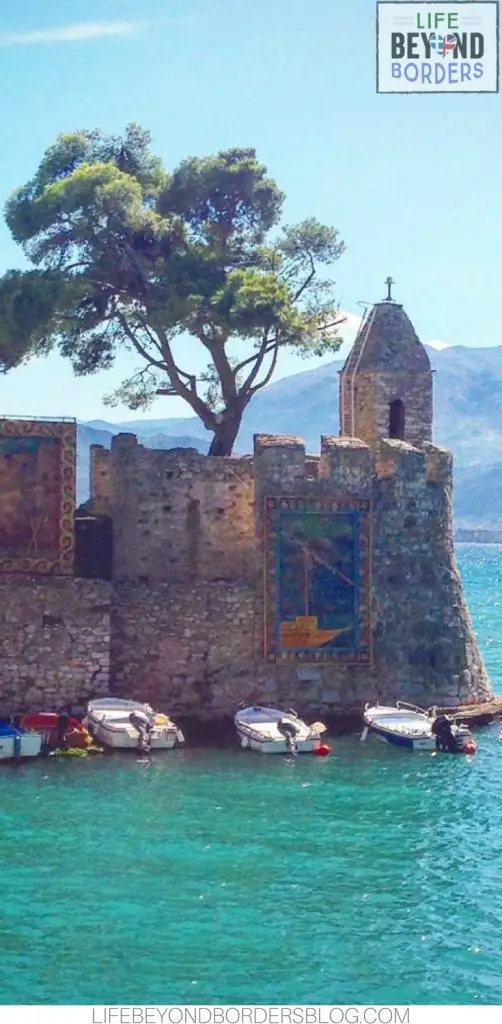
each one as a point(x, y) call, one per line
point(260, 715)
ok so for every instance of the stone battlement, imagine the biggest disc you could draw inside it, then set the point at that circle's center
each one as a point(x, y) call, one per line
point(100, 479)
point(351, 462)
point(179, 515)
point(280, 458)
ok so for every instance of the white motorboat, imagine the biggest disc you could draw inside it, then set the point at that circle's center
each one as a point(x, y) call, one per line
point(275, 731)
point(130, 724)
point(18, 743)
point(412, 728)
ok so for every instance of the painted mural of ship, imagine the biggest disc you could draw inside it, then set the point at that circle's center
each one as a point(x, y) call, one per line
point(304, 632)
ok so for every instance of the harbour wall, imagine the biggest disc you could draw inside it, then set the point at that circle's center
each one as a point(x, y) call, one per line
point(54, 642)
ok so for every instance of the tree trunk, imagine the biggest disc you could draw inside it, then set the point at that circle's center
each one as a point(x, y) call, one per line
point(225, 435)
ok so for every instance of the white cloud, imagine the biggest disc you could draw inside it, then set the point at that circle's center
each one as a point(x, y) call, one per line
point(438, 345)
point(77, 33)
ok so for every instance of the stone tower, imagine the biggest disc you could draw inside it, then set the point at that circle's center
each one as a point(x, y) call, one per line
point(386, 383)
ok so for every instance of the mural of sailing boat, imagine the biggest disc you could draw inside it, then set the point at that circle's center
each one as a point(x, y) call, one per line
point(304, 631)
point(317, 600)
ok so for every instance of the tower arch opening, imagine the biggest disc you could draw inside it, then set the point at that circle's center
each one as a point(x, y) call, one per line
point(396, 419)
point(392, 372)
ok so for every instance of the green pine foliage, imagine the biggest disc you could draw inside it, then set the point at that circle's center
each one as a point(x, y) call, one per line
point(126, 255)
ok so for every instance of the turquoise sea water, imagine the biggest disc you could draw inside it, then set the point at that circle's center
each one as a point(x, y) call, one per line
point(372, 876)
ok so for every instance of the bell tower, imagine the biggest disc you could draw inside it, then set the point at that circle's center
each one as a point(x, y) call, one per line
point(386, 382)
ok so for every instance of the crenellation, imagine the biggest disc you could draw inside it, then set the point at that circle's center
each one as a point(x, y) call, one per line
point(347, 464)
point(439, 464)
point(278, 460)
point(401, 461)
point(312, 466)
point(124, 441)
point(100, 479)
point(265, 442)
point(190, 516)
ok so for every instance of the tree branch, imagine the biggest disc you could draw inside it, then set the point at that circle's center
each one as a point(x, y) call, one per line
point(264, 348)
point(237, 369)
point(269, 373)
point(137, 345)
point(307, 281)
point(324, 327)
point(188, 393)
point(225, 373)
point(146, 327)
point(216, 348)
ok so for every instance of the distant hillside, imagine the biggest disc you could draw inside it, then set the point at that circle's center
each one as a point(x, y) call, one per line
point(468, 420)
point(478, 496)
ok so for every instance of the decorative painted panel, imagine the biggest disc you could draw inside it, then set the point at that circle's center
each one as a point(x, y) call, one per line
point(37, 496)
point(317, 580)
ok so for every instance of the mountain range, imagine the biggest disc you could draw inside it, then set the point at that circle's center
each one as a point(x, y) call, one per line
point(468, 420)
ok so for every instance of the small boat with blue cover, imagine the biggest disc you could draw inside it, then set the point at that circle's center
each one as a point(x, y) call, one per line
point(16, 744)
point(413, 728)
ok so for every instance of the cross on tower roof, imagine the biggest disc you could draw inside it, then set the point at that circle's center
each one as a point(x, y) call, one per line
point(389, 282)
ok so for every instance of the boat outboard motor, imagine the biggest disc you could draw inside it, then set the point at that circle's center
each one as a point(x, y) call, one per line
point(289, 730)
point(445, 740)
point(144, 726)
point(62, 729)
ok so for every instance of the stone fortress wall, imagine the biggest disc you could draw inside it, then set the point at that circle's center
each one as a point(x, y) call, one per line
point(179, 515)
point(54, 628)
point(318, 581)
point(193, 638)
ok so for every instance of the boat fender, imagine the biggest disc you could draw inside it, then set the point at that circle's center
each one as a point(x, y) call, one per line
point(469, 746)
point(318, 728)
point(322, 750)
point(161, 720)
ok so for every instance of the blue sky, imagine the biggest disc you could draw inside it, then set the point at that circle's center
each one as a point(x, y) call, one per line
point(412, 182)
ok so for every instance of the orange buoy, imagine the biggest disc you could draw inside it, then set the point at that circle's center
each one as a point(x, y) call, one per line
point(322, 750)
